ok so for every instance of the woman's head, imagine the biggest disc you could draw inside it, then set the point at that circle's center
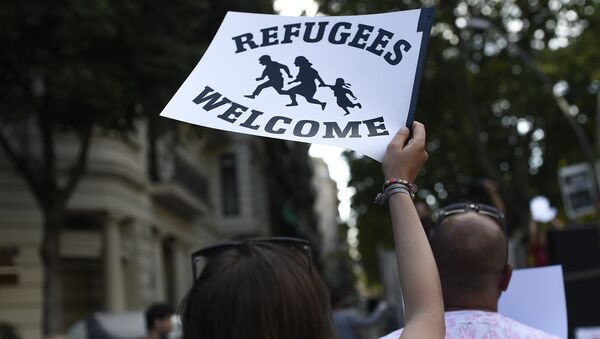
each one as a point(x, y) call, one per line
point(257, 290)
point(302, 62)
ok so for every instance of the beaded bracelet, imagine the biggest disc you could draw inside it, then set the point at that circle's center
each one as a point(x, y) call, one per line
point(391, 181)
point(392, 189)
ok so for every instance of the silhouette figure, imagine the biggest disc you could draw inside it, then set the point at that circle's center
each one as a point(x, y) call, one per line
point(273, 72)
point(307, 88)
point(341, 89)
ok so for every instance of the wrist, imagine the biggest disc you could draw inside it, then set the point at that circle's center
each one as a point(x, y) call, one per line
point(399, 197)
point(399, 175)
point(392, 187)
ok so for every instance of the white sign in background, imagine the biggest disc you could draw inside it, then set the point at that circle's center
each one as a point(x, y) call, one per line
point(536, 297)
point(377, 56)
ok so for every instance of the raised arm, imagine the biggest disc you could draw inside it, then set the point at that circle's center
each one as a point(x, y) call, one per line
point(350, 92)
point(491, 189)
point(318, 77)
point(285, 69)
point(419, 279)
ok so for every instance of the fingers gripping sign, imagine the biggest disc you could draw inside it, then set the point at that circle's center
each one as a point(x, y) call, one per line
point(404, 155)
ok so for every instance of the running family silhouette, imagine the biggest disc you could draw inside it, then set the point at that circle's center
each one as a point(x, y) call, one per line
point(306, 87)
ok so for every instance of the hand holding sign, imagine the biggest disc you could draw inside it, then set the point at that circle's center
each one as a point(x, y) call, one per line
point(381, 55)
point(402, 159)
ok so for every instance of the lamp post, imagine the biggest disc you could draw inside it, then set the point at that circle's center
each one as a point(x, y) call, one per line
point(561, 102)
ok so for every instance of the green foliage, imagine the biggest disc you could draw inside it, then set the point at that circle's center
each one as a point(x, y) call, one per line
point(102, 61)
point(476, 91)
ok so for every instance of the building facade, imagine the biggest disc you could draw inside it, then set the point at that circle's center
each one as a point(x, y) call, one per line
point(142, 207)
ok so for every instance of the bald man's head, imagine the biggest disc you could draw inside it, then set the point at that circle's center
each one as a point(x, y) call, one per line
point(470, 252)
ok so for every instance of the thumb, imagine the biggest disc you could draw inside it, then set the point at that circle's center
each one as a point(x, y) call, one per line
point(401, 137)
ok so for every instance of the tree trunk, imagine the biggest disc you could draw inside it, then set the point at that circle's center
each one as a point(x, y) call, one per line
point(51, 198)
point(52, 282)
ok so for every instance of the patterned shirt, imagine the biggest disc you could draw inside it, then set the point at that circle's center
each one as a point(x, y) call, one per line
point(471, 324)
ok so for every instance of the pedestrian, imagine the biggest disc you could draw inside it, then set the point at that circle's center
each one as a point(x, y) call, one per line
point(158, 321)
point(349, 321)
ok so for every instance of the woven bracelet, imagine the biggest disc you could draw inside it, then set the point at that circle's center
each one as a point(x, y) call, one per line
point(392, 189)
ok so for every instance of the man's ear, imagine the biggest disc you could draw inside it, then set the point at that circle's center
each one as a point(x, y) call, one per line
point(505, 277)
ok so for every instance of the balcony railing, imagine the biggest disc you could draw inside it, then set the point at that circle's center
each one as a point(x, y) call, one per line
point(191, 180)
point(182, 188)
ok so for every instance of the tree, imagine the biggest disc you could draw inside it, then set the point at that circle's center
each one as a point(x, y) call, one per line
point(487, 113)
point(75, 67)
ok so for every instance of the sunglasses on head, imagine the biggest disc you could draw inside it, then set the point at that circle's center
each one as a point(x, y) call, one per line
point(465, 207)
point(288, 242)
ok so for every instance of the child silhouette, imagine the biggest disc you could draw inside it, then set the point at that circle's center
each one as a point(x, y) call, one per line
point(341, 89)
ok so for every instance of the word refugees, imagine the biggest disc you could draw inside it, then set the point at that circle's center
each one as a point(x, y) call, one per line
point(235, 113)
point(340, 33)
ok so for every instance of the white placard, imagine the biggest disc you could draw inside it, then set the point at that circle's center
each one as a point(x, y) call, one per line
point(348, 81)
point(536, 297)
point(587, 333)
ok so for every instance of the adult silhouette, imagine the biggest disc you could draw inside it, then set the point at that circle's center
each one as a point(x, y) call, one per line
point(273, 72)
point(307, 87)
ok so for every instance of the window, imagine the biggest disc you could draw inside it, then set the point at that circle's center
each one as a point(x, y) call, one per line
point(230, 201)
point(8, 266)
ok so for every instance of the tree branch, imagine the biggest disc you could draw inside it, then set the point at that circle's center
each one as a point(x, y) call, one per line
point(48, 152)
point(20, 165)
point(78, 169)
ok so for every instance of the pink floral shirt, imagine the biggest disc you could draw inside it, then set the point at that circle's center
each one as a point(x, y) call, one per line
point(470, 324)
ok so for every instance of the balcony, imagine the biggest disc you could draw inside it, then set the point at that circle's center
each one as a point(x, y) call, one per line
point(182, 189)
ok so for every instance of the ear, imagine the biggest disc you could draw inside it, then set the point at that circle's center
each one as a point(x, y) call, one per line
point(505, 277)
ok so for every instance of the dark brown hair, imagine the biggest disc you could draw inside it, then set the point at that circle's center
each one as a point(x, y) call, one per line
point(157, 312)
point(257, 290)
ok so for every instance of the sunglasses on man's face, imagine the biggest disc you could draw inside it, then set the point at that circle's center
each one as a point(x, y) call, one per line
point(288, 242)
point(459, 208)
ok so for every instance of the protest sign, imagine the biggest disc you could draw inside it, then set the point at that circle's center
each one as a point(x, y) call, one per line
point(536, 297)
point(348, 81)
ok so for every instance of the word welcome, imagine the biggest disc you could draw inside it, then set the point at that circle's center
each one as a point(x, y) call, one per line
point(341, 33)
point(279, 124)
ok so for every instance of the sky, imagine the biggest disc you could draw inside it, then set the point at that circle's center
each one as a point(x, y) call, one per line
point(295, 7)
